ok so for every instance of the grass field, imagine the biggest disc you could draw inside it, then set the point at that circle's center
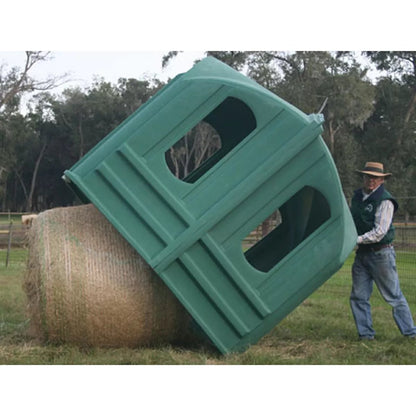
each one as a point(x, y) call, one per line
point(6, 218)
point(319, 331)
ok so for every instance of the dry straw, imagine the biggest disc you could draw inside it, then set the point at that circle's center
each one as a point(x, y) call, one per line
point(87, 286)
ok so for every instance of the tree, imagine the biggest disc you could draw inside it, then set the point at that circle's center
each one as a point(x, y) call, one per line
point(392, 131)
point(317, 81)
point(43, 133)
point(134, 93)
point(198, 145)
point(26, 138)
point(378, 140)
point(77, 120)
point(321, 81)
point(400, 66)
point(363, 121)
point(14, 83)
point(13, 135)
point(17, 81)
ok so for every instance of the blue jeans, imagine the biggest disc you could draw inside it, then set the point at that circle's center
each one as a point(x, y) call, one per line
point(379, 267)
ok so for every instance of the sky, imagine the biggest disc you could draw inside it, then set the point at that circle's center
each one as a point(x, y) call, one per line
point(83, 66)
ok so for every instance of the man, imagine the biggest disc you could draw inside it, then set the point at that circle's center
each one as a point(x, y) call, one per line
point(372, 209)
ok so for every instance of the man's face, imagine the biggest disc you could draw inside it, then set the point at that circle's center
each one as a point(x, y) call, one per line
point(371, 182)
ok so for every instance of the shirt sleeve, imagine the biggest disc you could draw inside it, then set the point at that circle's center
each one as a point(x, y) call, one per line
point(382, 221)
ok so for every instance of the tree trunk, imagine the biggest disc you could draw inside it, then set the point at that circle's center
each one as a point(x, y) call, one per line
point(174, 160)
point(266, 226)
point(411, 107)
point(81, 139)
point(410, 110)
point(34, 176)
point(331, 138)
point(22, 184)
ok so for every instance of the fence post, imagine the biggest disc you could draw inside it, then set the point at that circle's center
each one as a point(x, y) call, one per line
point(9, 244)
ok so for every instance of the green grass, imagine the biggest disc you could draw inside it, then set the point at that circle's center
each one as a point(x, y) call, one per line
point(5, 219)
point(319, 331)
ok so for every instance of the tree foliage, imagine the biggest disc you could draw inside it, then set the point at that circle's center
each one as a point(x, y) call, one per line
point(391, 130)
point(365, 119)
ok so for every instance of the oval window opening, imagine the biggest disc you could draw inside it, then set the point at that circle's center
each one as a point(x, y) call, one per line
point(286, 228)
point(210, 140)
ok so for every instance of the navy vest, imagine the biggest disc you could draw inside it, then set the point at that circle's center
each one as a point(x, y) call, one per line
point(363, 212)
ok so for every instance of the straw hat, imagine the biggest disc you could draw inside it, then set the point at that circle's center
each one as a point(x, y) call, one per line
point(374, 169)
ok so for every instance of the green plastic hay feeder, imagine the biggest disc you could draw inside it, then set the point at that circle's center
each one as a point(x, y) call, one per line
point(190, 231)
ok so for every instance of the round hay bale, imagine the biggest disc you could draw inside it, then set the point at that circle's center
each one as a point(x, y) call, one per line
point(87, 286)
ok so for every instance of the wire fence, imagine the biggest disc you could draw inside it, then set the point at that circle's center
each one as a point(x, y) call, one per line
point(13, 253)
point(12, 240)
point(405, 247)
